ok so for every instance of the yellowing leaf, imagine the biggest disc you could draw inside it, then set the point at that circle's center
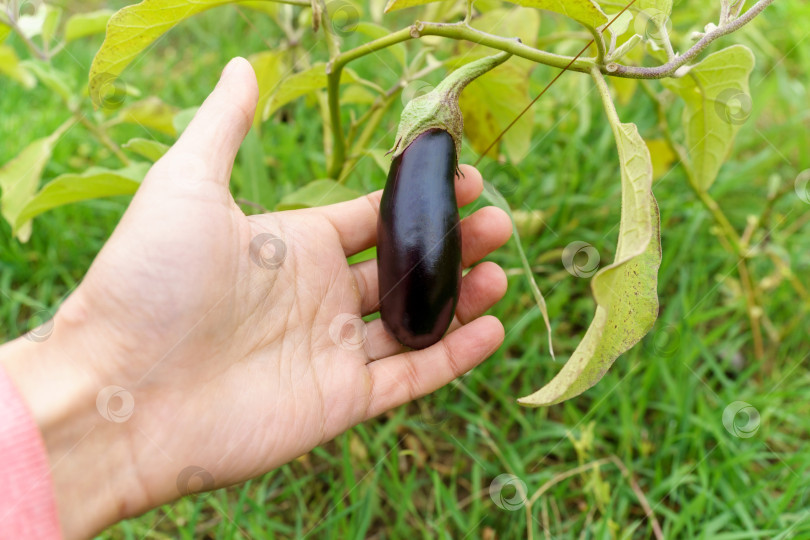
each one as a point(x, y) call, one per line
point(662, 157)
point(19, 179)
point(91, 184)
point(512, 22)
point(586, 12)
point(87, 24)
point(491, 102)
point(300, 84)
point(134, 28)
point(718, 102)
point(151, 150)
point(626, 291)
point(624, 89)
point(150, 113)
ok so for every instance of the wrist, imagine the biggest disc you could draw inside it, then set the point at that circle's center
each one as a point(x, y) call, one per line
point(88, 449)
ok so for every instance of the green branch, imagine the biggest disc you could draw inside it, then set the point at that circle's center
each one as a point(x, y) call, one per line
point(462, 31)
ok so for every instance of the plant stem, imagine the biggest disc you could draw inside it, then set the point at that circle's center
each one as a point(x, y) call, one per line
point(461, 31)
point(332, 42)
point(334, 70)
point(607, 101)
point(100, 134)
point(362, 140)
point(36, 51)
point(670, 67)
point(510, 45)
point(599, 39)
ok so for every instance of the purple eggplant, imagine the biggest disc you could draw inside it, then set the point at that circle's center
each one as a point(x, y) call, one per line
point(419, 241)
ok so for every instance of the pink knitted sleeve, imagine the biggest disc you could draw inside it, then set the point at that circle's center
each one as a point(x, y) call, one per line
point(27, 504)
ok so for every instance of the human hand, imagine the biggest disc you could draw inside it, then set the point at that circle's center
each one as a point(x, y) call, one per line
point(236, 341)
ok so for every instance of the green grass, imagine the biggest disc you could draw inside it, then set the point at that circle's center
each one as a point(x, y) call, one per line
point(425, 470)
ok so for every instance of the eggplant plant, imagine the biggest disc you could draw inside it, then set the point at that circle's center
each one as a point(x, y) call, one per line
point(491, 47)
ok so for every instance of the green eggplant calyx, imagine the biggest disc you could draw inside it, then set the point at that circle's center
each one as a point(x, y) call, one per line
point(439, 108)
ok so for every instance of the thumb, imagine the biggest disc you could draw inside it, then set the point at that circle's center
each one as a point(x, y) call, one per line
point(213, 137)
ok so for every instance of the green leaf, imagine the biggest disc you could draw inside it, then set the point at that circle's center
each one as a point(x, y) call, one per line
point(183, 118)
point(11, 67)
point(494, 196)
point(53, 15)
point(134, 28)
point(87, 24)
point(380, 157)
point(620, 24)
point(586, 12)
point(626, 291)
point(91, 184)
point(317, 193)
point(19, 179)
point(5, 30)
point(150, 113)
point(302, 83)
point(493, 100)
point(718, 102)
point(658, 10)
point(268, 8)
point(256, 186)
point(356, 93)
point(394, 5)
point(270, 68)
point(53, 79)
point(151, 150)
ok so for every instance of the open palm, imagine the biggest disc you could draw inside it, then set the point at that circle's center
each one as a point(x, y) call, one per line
point(238, 341)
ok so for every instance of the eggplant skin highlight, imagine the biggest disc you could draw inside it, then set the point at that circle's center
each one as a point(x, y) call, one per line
point(419, 241)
